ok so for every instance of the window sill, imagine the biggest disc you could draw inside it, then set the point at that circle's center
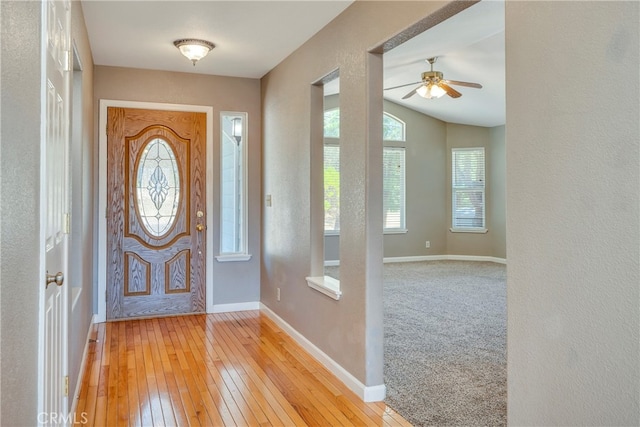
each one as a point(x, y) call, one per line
point(326, 285)
point(396, 231)
point(233, 257)
point(469, 230)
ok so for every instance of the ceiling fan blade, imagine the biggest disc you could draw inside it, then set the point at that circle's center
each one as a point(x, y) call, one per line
point(467, 84)
point(396, 87)
point(410, 94)
point(450, 91)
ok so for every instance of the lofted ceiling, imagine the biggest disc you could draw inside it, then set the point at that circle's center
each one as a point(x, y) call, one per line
point(252, 37)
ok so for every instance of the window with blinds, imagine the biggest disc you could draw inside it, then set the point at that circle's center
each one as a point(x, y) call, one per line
point(468, 185)
point(393, 201)
point(331, 188)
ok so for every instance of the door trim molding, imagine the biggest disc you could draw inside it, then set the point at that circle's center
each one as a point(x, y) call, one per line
point(101, 314)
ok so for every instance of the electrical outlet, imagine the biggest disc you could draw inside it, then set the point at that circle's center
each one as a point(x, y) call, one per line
point(427, 244)
point(278, 294)
point(268, 200)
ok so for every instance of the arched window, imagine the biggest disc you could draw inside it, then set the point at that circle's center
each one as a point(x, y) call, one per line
point(392, 128)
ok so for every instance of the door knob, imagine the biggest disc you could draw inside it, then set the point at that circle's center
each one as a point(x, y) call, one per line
point(58, 279)
point(200, 227)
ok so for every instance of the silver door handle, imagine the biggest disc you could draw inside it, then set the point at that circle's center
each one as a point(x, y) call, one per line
point(58, 279)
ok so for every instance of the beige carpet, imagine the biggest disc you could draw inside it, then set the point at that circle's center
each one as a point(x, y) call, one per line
point(445, 342)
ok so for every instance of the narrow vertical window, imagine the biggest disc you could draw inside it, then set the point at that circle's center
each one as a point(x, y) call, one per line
point(393, 169)
point(467, 189)
point(233, 177)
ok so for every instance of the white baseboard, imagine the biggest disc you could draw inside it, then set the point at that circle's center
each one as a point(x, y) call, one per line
point(445, 258)
point(476, 258)
point(241, 306)
point(432, 258)
point(332, 263)
point(366, 393)
point(83, 363)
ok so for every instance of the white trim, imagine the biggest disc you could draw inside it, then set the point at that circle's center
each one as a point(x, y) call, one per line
point(366, 393)
point(102, 193)
point(469, 230)
point(419, 258)
point(83, 363)
point(327, 285)
point(241, 306)
point(395, 231)
point(476, 258)
point(445, 258)
point(233, 257)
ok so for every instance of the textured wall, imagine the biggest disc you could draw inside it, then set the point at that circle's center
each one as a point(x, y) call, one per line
point(425, 191)
point(573, 220)
point(480, 244)
point(20, 274)
point(83, 214)
point(497, 182)
point(349, 330)
point(234, 282)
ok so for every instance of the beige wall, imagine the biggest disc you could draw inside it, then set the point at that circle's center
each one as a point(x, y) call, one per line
point(234, 282)
point(479, 244)
point(349, 330)
point(425, 190)
point(20, 202)
point(20, 275)
point(84, 218)
point(497, 183)
point(573, 213)
point(428, 190)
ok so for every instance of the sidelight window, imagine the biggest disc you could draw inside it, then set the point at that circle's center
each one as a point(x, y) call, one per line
point(233, 185)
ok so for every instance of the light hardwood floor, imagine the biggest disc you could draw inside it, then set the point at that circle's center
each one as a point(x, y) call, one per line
point(213, 370)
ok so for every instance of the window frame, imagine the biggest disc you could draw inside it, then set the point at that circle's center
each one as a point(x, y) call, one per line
point(243, 253)
point(458, 188)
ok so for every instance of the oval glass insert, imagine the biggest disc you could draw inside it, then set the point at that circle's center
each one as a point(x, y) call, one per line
point(157, 187)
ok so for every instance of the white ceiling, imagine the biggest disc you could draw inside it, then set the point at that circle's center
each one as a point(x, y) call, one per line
point(470, 48)
point(252, 37)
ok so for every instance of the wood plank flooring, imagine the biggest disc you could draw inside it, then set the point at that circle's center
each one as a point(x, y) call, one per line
point(230, 369)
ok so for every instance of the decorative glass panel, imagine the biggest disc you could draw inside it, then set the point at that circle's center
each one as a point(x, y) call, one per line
point(157, 187)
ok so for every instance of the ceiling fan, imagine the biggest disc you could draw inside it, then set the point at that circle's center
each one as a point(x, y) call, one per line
point(433, 85)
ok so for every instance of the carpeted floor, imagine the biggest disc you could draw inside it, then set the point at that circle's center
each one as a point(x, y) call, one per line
point(445, 342)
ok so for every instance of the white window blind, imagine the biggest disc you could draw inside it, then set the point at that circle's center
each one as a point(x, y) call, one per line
point(393, 201)
point(468, 185)
point(331, 187)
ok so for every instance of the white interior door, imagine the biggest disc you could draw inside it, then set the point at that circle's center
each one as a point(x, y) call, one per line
point(54, 186)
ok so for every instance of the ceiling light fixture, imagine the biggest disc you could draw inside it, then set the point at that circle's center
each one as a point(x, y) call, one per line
point(194, 49)
point(430, 91)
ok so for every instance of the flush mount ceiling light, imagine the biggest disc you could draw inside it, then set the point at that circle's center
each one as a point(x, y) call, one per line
point(194, 49)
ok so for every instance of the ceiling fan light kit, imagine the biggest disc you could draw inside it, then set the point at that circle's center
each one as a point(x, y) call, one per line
point(434, 85)
point(194, 49)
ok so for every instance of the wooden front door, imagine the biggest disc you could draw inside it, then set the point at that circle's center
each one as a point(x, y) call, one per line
point(155, 212)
